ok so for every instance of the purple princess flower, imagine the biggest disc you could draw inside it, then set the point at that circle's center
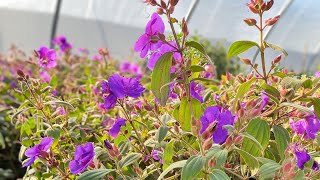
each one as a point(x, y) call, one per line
point(301, 155)
point(119, 87)
point(308, 127)
point(222, 117)
point(45, 77)
point(130, 67)
point(115, 129)
point(149, 40)
point(35, 152)
point(163, 49)
point(62, 42)
point(47, 57)
point(82, 158)
point(196, 90)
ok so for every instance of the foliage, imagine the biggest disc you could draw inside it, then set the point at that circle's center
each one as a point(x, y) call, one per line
point(77, 117)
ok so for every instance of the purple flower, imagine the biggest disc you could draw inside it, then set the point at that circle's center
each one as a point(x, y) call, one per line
point(149, 40)
point(97, 57)
point(308, 127)
point(196, 90)
point(47, 57)
point(82, 158)
point(317, 74)
point(156, 155)
point(62, 111)
point(264, 100)
point(163, 49)
point(315, 166)
point(35, 152)
point(45, 77)
point(302, 156)
point(115, 129)
point(222, 117)
point(62, 42)
point(130, 67)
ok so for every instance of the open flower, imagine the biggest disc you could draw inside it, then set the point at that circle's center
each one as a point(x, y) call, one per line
point(196, 90)
point(130, 67)
point(150, 40)
point(119, 87)
point(45, 76)
point(301, 155)
point(115, 129)
point(47, 57)
point(317, 74)
point(163, 49)
point(36, 151)
point(308, 127)
point(82, 158)
point(156, 155)
point(62, 42)
point(222, 117)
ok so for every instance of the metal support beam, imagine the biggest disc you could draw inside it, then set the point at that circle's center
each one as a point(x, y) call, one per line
point(191, 9)
point(282, 12)
point(55, 22)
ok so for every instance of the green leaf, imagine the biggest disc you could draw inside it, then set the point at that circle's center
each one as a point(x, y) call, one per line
point(242, 90)
point(54, 133)
point(196, 68)
point(161, 133)
point(316, 106)
point(297, 106)
point(54, 81)
point(276, 48)
point(268, 170)
point(19, 112)
point(307, 84)
point(199, 47)
point(160, 77)
point(290, 82)
point(175, 165)
point(239, 47)
point(95, 174)
point(217, 174)
point(219, 154)
point(271, 90)
point(168, 154)
point(250, 161)
point(2, 142)
point(185, 112)
point(60, 103)
point(129, 159)
point(282, 138)
point(299, 175)
point(192, 168)
point(124, 147)
point(259, 130)
point(165, 118)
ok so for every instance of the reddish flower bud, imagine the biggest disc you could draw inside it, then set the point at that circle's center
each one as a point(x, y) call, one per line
point(253, 8)
point(238, 139)
point(156, 125)
point(163, 4)
point(212, 163)
point(263, 7)
point(171, 9)
point(228, 141)
point(20, 73)
point(246, 61)
point(160, 10)
point(151, 2)
point(207, 144)
point(272, 21)
point(277, 59)
point(185, 29)
point(250, 22)
point(269, 5)
point(173, 2)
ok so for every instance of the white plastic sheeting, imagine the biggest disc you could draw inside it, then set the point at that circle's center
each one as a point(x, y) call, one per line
point(117, 24)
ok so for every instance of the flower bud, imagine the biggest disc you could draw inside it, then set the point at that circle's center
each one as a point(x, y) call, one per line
point(160, 10)
point(269, 5)
point(253, 8)
point(228, 141)
point(254, 112)
point(173, 2)
point(212, 163)
point(20, 73)
point(107, 144)
point(263, 7)
point(171, 9)
point(176, 128)
point(272, 21)
point(238, 139)
point(151, 2)
point(163, 4)
point(156, 125)
point(246, 61)
point(185, 29)
point(277, 59)
point(250, 22)
point(20, 79)
point(207, 144)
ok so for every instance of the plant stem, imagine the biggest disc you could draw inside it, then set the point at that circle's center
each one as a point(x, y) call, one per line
point(262, 50)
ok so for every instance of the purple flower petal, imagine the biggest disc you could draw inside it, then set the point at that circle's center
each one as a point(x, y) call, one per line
point(115, 129)
point(109, 101)
point(302, 158)
point(82, 158)
point(315, 166)
point(29, 162)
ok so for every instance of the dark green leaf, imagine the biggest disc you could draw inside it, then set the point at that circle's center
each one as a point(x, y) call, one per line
point(268, 170)
point(95, 174)
point(239, 47)
point(259, 130)
point(282, 138)
point(161, 133)
point(54, 133)
point(192, 168)
point(250, 161)
point(307, 84)
point(160, 77)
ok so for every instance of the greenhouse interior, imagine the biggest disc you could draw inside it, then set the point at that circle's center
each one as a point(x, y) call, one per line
point(159, 89)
